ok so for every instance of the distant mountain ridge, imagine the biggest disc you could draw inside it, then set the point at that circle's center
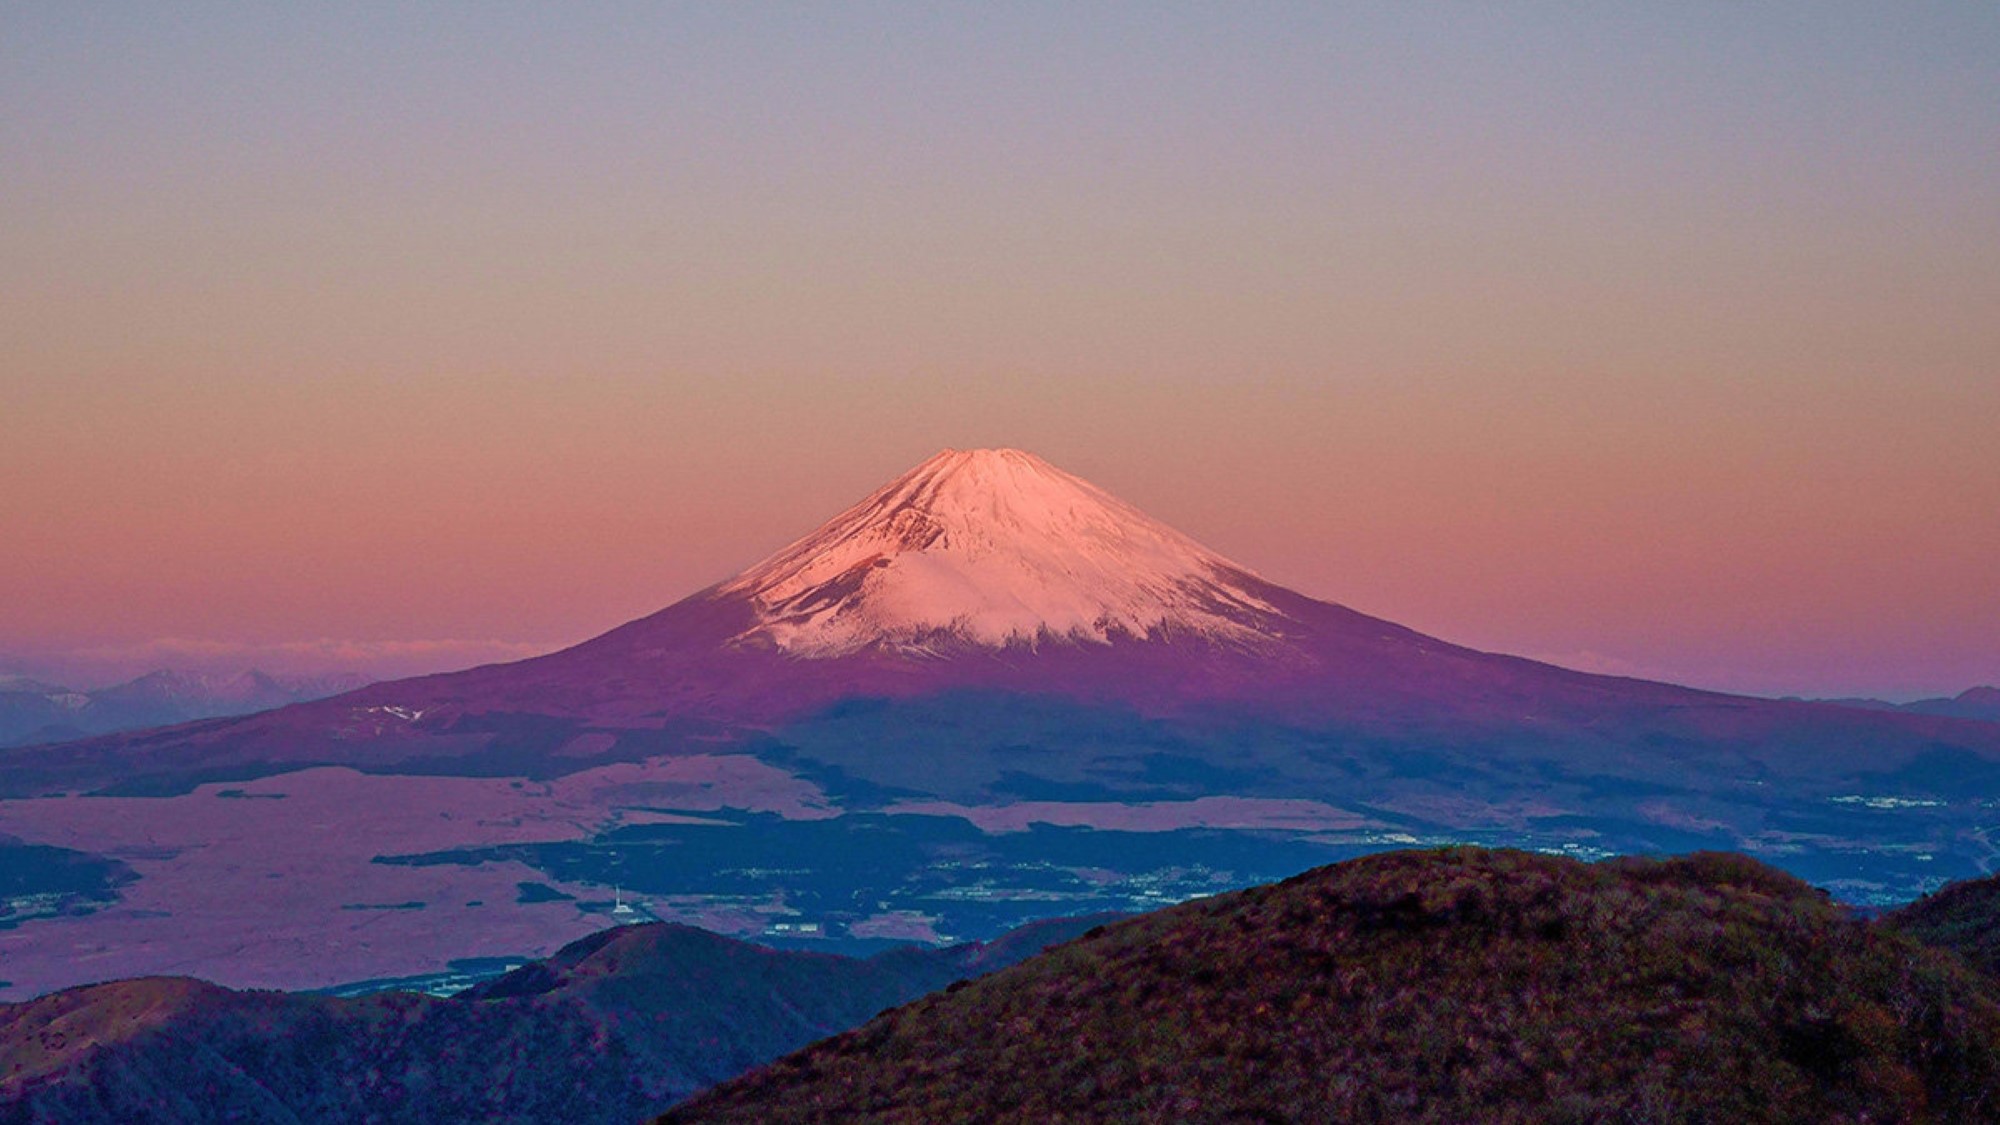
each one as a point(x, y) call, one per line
point(32, 711)
point(1982, 703)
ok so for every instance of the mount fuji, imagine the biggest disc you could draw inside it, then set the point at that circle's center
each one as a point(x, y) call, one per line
point(989, 572)
point(986, 693)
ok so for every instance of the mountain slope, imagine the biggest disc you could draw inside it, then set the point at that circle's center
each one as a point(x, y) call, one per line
point(610, 1028)
point(1445, 986)
point(1963, 917)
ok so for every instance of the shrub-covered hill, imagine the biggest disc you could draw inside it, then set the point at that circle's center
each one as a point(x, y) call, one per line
point(1443, 986)
point(1963, 917)
point(613, 1028)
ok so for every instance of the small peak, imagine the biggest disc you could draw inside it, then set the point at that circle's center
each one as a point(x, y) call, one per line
point(958, 460)
point(1002, 453)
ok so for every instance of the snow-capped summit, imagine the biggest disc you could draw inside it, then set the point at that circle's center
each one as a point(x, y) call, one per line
point(996, 548)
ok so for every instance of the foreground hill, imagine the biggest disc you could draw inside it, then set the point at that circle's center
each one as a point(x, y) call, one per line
point(613, 1027)
point(1446, 986)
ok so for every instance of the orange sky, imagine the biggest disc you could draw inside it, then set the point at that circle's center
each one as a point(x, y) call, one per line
point(1643, 343)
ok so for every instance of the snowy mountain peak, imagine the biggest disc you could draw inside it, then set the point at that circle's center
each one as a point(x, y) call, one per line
point(995, 548)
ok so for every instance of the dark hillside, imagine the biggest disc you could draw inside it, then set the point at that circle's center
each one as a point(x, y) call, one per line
point(1445, 986)
point(1963, 917)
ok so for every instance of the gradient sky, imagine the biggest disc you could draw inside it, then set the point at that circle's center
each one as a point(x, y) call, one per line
point(1660, 339)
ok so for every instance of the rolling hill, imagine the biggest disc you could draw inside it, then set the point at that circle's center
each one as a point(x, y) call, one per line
point(612, 1027)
